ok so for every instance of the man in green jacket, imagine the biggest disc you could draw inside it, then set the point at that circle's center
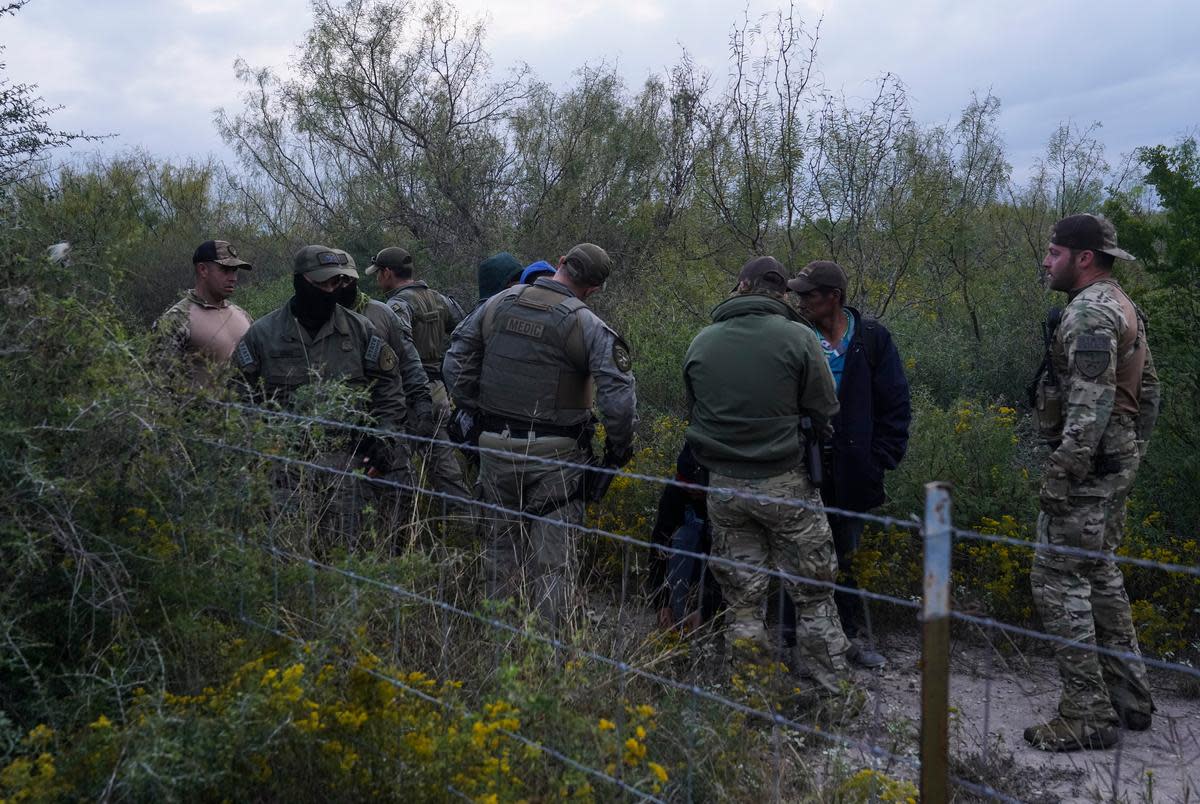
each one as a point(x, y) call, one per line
point(750, 377)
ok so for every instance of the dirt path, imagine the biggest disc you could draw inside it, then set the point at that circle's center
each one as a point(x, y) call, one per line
point(995, 697)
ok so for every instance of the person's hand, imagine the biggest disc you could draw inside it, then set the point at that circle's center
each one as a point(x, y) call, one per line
point(1056, 486)
point(692, 622)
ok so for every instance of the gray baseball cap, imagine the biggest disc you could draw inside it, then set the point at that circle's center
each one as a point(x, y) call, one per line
point(320, 263)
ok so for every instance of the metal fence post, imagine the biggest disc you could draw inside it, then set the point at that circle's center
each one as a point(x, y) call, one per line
point(935, 647)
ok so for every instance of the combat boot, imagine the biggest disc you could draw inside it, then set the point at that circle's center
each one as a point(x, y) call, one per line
point(1063, 734)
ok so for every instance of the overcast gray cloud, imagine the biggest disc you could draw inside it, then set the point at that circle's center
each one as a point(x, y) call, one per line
point(153, 72)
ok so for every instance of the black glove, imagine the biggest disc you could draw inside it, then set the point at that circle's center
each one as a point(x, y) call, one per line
point(378, 456)
point(421, 418)
point(616, 459)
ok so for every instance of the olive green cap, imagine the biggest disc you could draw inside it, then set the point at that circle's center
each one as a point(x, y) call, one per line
point(593, 263)
point(392, 257)
point(320, 263)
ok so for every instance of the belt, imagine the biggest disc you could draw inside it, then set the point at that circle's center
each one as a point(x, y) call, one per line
point(433, 373)
point(498, 424)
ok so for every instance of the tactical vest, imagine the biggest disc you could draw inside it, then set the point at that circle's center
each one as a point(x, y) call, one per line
point(430, 317)
point(535, 363)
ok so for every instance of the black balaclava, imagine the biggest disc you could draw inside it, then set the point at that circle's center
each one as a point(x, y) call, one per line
point(347, 295)
point(311, 305)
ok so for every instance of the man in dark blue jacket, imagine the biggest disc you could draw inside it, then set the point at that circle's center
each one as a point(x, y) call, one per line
point(870, 433)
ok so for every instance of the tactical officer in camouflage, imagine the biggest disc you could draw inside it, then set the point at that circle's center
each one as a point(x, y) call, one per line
point(432, 318)
point(203, 327)
point(526, 363)
point(1104, 377)
point(313, 337)
point(750, 378)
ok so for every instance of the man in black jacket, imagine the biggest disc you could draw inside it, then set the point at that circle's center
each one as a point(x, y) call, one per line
point(870, 433)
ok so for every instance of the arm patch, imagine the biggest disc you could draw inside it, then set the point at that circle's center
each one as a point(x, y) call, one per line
point(379, 355)
point(243, 358)
point(1092, 355)
point(621, 357)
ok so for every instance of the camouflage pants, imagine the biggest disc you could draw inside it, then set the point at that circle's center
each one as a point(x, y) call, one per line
point(440, 461)
point(527, 559)
point(781, 537)
point(1083, 598)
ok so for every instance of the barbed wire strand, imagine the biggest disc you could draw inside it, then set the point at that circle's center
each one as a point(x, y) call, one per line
point(577, 765)
point(1182, 669)
point(620, 666)
point(1081, 552)
point(662, 548)
point(792, 502)
point(782, 575)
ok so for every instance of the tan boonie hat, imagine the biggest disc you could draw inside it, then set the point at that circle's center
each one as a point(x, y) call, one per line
point(1088, 233)
point(320, 263)
point(221, 252)
point(392, 257)
point(592, 261)
point(819, 274)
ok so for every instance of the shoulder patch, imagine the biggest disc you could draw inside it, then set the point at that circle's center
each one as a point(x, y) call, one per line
point(1092, 355)
point(245, 360)
point(621, 356)
point(379, 355)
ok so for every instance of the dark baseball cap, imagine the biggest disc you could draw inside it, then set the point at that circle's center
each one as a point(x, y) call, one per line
point(1088, 232)
point(763, 273)
point(392, 257)
point(320, 263)
point(221, 252)
point(592, 261)
point(819, 274)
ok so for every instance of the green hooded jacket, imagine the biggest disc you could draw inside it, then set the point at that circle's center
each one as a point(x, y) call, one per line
point(750, 376)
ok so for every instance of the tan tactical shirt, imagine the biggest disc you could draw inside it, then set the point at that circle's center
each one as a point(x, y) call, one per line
point(200, 332)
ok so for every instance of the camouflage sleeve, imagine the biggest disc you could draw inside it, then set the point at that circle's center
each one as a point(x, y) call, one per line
point(463, 363)
point(171, 334)
point(380, 364)
point(412, 373)
point(1149, 401)
point(818, 394)
point(1089, 334)
point(611, 368)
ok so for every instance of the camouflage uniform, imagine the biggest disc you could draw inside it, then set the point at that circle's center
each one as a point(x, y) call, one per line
point(795, 540)
point(278, 355)
point(432, 317)
point(1110, 400)
point(527, 363)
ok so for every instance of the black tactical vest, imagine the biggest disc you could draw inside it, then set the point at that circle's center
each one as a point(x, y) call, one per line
point(535, 366)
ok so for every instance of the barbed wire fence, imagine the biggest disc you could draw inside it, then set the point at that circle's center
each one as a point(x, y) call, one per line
point(928, 759)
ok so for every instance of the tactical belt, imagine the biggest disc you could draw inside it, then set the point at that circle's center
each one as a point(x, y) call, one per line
point(498, 424)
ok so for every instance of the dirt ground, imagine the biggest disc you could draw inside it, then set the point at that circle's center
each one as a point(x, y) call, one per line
point(994, 697)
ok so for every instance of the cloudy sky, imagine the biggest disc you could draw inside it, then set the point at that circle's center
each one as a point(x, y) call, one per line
point(153, 71)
